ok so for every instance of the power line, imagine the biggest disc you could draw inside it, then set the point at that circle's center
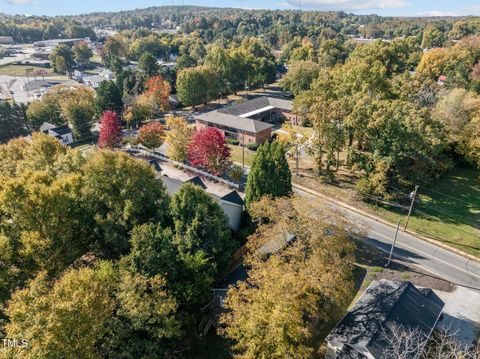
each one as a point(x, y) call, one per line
point(455, 198)
point(446, 212)
point(457, 228)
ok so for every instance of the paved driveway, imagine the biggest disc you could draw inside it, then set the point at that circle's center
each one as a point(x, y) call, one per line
point(461, 314)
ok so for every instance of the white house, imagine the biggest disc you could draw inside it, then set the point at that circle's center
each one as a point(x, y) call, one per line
point(77, 75)
point(107, 74)
point(94, 80)
point(62, 133)
point(232, 204)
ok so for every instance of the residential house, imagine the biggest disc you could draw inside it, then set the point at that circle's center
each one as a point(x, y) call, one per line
point(232, 204)
point(62, 133)
point(250, 121)
point(442, 79)
point(107, 74)
point(6, 40)
point(384, 305)
point(94, 80)
point(239, 273)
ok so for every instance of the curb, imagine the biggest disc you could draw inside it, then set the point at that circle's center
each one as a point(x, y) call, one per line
point(378, 219)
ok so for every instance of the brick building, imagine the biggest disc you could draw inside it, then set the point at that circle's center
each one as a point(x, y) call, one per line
point(250, 121)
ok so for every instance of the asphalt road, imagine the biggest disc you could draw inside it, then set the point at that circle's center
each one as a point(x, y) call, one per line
point(438, 261)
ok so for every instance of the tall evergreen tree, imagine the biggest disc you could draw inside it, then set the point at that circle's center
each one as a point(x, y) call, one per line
point(13, 121)
point(269, 174)
point(109, 98)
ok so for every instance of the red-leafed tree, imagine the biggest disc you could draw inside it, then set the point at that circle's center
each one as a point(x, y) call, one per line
point(151, 135)
point(208, 149)
point(110, 130)
point(157, 93)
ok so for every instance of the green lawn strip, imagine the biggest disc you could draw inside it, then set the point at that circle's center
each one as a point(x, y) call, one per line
point(236, 155)
point(450, 220)
point(19, 70)
point(96, 58)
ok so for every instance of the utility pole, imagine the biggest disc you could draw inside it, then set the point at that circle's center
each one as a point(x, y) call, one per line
point(412, 196)
point(297, 158)
point(393, 245)
point(243, 149)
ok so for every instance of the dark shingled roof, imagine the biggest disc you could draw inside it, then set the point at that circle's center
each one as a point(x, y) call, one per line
point(233, 197)
point(350, 353)
point(271, 247)
point(246, 107)
point(257, 104)
point(155, 165)
point(384, 303)
point(197, 181)
point(62, 130)
point(239, 274)
point(237, 116)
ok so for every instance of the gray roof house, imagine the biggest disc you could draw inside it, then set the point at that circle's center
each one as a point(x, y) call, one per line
point(62, 133)
point(362, 332)
point(94, 80)
point(232, 204)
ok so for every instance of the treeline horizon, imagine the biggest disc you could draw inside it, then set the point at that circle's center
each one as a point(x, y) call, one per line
point(234, 22)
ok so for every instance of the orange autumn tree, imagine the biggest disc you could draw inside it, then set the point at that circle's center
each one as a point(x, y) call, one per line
point(151, 135)
point(156, 94)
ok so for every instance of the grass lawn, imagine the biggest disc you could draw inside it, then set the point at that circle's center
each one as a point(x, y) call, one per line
point(452, 217)
point(19, 70)
point(96, 59)
point(236, 154)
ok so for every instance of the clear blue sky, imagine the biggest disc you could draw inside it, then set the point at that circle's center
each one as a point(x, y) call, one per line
point(381, 7)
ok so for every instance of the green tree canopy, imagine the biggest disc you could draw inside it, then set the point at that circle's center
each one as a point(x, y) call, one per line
point(109, 98)
point(122, 192)
point(62, 59)
point(200, 224)
point(269, 174)
point(147, 63)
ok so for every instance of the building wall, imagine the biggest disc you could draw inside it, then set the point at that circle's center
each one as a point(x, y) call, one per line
point(6, 40)
point(66, 139)
point(263, 136)
point(200, 125)
point(234, 214)
point(246, 137)
point(293, 118)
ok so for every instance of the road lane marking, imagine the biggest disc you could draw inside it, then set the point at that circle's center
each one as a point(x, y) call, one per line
point(426, 255)
point(367, 219)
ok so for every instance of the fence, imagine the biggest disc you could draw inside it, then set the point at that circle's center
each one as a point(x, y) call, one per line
point(162, 157)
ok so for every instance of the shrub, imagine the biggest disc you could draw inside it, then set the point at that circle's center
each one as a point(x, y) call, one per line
point(130, 140)
point(232, 141)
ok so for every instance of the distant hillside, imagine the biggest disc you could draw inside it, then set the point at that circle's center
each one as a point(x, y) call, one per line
point(229, 23)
